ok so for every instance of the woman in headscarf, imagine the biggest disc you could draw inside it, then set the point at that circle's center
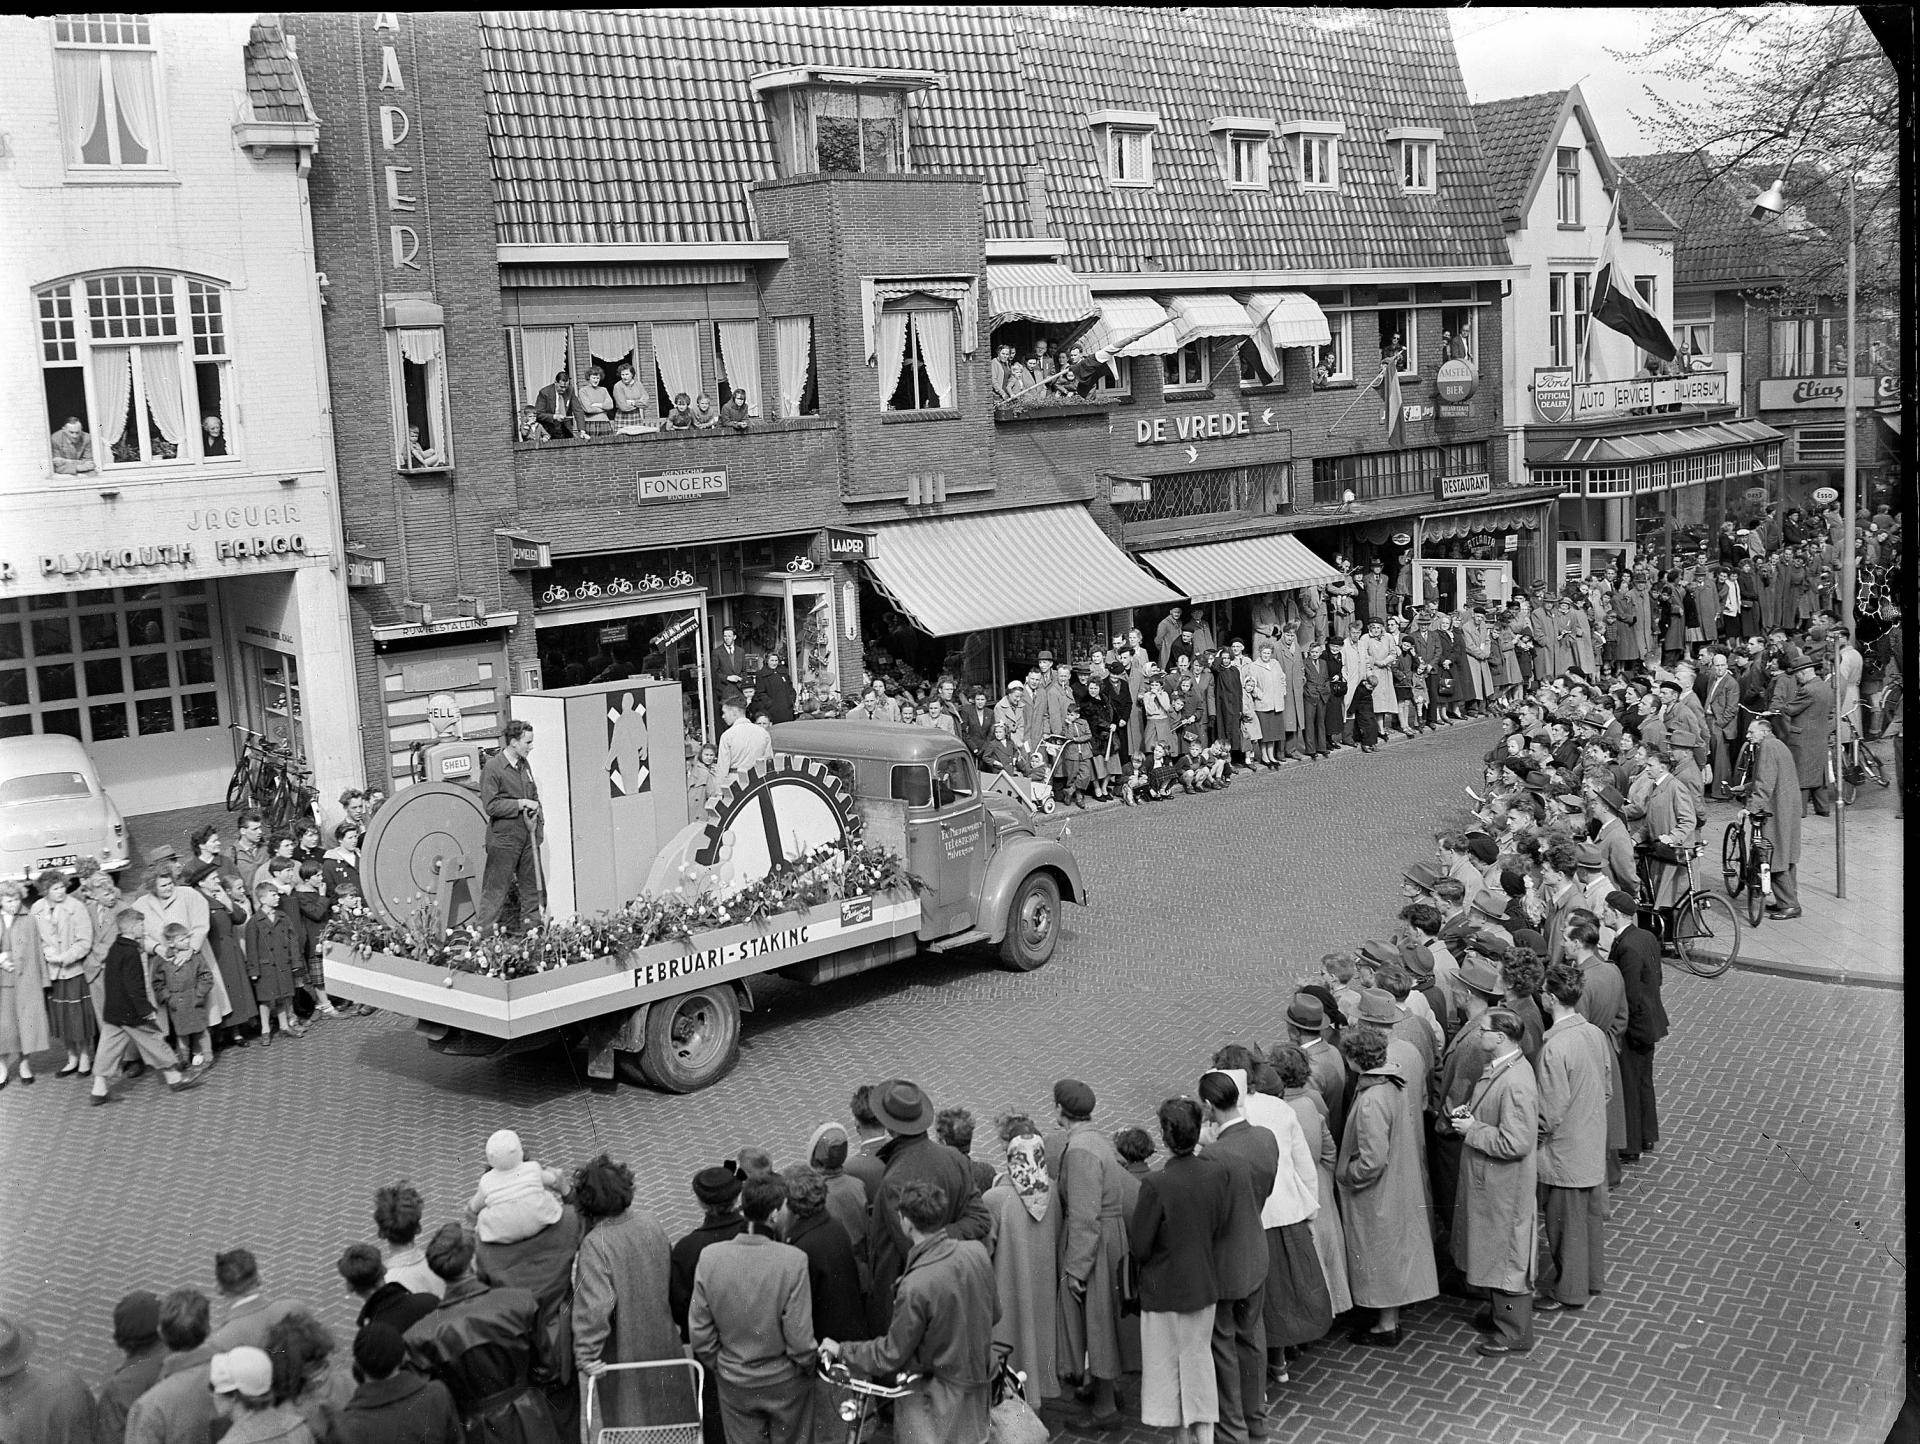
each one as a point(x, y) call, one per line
point(1267, 688)
point(102, 898)
point(1026, 1269)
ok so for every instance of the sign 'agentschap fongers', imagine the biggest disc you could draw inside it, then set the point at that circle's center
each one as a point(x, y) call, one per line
point(681, 485)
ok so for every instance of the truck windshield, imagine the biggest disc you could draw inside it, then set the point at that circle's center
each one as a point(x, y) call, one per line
point(952, 779)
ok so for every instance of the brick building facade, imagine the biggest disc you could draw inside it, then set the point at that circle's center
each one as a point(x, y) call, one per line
point(173, 571)
point(841, 213)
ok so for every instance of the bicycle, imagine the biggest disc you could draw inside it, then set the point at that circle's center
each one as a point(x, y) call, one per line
point(853, 1410)
point(247, 777)
point(1746, 863)
point(1859, 763)
point(1700, 928)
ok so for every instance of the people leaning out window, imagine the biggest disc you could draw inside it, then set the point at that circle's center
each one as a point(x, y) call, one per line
point(736, 412)
point(595, 404)
point(553, 407)
point(629, 401)
point(421, 456)
point(72, 449)
point(213, 436)
point(681, 417)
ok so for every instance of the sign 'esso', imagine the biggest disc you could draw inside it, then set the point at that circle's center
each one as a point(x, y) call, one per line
point(1823, 495)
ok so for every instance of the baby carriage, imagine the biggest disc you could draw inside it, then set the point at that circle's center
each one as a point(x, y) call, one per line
point(671, 1403)
point(1034, 793)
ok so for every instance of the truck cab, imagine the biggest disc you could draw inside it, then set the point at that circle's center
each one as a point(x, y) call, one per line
point(917, 791)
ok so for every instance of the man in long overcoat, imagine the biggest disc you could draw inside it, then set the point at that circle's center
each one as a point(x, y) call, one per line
point(1093, 1240)
point(1774, 790)
point(1383, 1198)
point(1575, 1073)
point(620, 1288)
point(1493, 1227)
point(1811, 734)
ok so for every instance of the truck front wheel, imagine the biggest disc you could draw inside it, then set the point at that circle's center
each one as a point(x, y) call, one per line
point(692, 1040)
point(1033, 919)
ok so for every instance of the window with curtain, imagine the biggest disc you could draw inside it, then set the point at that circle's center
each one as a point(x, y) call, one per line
point(793, 364)
point(543, 354)
point(106, 75)
point(914, 356)
point(676, 363)
point(1398, 330)
point(417, 361)
point(141, 361)
point(736, 345)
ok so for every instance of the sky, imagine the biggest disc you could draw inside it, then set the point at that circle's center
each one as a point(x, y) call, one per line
point(1523, 51)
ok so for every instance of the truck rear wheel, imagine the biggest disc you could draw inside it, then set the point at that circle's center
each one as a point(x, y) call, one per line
point(1033, 919)
point(692, 1040)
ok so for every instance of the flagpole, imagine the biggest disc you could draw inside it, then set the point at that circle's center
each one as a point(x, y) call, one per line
point(1583, 373)
point(1360, 396)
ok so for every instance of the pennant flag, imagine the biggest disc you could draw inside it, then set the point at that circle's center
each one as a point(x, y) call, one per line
point(1621, 309)
point(1395, 418)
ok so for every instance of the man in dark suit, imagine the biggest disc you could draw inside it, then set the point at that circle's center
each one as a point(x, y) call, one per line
point(1636, 953)
point(1252, 1158)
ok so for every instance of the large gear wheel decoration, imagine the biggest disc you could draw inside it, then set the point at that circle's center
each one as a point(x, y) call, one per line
point(779, 811)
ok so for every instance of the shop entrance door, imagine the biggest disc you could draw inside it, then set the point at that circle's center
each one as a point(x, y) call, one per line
point(1450, 584)
point(790, 617)
point(664, 639)
point(1580, 560)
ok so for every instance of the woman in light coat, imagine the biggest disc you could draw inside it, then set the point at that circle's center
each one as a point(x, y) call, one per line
point(1383, 1199)
point(165, 901)
point(66, 938)
point(1378, 653)
point(101, 894)
point(1267, 695)
point(23, 982)
point(1578, 629)
point(1476, 639)
point(1623, 630)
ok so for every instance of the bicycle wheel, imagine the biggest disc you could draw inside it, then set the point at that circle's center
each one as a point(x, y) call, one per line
point(1707, 933)
point(1756, 896)
point(1733, 859)
point(238, 788)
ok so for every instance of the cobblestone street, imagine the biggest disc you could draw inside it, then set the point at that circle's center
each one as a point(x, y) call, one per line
point(1756, 1281)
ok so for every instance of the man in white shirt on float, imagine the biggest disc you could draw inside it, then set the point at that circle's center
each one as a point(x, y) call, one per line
point(742, 744)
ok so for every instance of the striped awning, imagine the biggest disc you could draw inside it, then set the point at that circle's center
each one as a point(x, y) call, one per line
point(1289, 318)
point(1214, 571)
point(970, 573)
point(1201, 316)
point(1124, 315)
point(1036, 291)
point(1658, 445)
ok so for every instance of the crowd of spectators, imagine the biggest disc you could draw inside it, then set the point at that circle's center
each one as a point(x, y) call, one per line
point(563, 412)
point(205, 955)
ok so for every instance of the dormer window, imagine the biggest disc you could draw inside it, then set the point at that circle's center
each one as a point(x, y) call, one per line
point(1242, 144)
point(1126, 145)
point(1316, 152)
point(1416, 148)
point(840, 122)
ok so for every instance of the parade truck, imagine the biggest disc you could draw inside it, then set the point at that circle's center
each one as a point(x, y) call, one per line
point(903, 847)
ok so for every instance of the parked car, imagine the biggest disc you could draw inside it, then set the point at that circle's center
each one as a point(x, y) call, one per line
point(53, 810)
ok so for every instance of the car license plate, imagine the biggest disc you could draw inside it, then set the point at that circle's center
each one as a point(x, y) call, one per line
point(65, 859)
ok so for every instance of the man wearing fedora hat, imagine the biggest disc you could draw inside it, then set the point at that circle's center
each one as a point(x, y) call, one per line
point(718, 1191)
point(1465, 1059)
point(1306, 1027)
point(39, 1400)
point(1614, 841)
point(1774, 797)
point(1410, 1047)
point(907, 1114)
point(1810, 731)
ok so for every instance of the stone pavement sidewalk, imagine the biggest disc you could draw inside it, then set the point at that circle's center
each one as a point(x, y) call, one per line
point(1854, 940)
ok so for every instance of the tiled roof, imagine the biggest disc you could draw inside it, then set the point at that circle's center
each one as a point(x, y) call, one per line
point(1640, 213)
point(275, 88)
point(1370, 70)
point(1718, 244)
point(1514, 135)
point(641, 126)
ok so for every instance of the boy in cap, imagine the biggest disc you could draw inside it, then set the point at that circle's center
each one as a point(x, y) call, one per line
point(392, 1403)
point(718, 1192)
point(242, 1384)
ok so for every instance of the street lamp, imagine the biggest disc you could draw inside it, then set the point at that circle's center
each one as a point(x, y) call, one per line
point(1770, 203)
